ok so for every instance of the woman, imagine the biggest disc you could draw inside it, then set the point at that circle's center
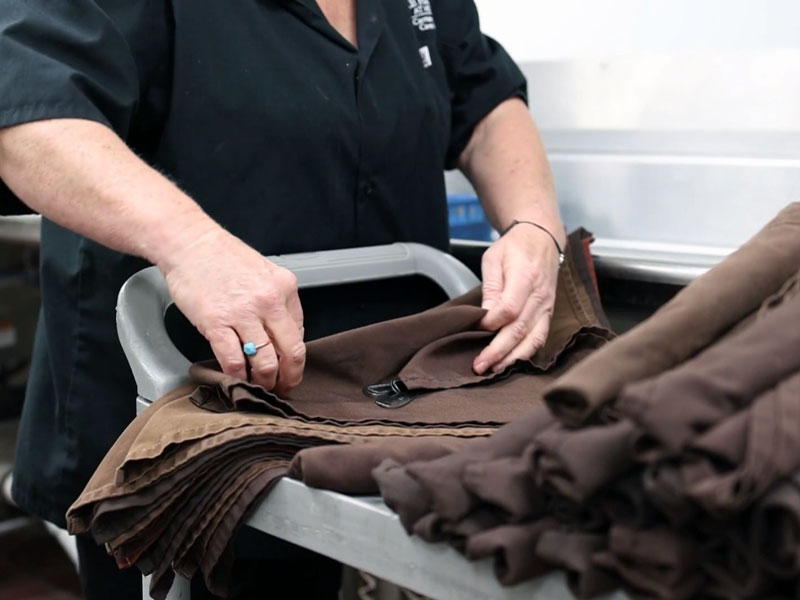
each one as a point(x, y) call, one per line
point(201, 135)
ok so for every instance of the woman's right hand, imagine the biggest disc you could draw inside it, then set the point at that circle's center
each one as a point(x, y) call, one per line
point(92, 183)
point(233, 295)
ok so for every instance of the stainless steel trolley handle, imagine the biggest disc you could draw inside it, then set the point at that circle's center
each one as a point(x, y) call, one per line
point(159, 367)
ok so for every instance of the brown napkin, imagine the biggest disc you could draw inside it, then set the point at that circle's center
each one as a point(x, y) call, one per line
point(776, 528)
point(573, 551)
point(508, 484)
point(513, 548)
point(654, 563)
point(429, 352)
point(697, 316)
point(758, 447)
point(348, 468)
point(685, 401)
point(578, 463)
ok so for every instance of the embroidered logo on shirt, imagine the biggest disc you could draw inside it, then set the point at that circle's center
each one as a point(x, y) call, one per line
point(425, 55)
point(421, 14)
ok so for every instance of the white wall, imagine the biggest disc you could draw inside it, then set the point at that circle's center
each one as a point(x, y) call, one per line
point(557, 29)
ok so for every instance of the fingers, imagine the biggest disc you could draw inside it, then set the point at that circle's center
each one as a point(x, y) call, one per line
point(290, 348)
point(508, 338)
point(492, 275)
point(264, 363)
point(233, 295)
point(273, 323)
point(520, 281)
point(518, 340)
point(294, 308)
point(529, 345)
point(228, 351)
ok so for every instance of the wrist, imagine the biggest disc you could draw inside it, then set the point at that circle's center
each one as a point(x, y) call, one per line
point(521, 223)
point(543, 213)
point(173, 240)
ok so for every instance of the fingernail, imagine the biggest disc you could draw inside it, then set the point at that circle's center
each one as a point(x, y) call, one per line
point(481, 367)
point(497, 368)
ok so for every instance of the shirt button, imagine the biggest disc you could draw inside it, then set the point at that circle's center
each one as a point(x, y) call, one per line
point(369, 188)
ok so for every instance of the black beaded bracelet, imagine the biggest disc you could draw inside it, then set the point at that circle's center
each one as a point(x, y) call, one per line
point(552, 237)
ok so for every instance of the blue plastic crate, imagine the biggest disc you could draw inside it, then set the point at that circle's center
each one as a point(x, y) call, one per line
point(467, 221)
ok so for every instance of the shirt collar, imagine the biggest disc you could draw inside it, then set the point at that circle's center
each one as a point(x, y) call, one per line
point(370, 23)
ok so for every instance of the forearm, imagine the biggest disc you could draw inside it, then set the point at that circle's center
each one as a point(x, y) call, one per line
point(506, 163)
point(81, 175)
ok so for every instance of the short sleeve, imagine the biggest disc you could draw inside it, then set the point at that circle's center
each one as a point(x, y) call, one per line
point(480, 73)
point(64, 60)
point(76, 59)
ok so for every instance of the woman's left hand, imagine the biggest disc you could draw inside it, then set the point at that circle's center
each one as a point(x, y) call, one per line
point(520, 272)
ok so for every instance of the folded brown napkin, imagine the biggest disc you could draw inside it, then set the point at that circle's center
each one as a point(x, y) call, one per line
point(683, 402)
point(750, 451)
point(697, 428)
point(655, 562)
point(574, 552)
point(776, 529)
point(694, 318)
point(513, 548)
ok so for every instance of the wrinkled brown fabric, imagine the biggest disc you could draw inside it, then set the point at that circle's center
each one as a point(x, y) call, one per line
point(431, 528)
point(433, 350)
point(443, 477)
point(654, 563)
point(626, 503)
point(776, 528)
point(508, 484)
point(689, 322)
point(513, 548)
point(760, 446)
point(402, 493)
point(348, 468)
point(478, 521)
point(731, 566)
point(573, 551)
point(665, 486)
point(576, 463)
point(682, 403)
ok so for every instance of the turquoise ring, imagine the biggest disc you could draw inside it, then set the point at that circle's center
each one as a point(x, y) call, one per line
point(250, 349)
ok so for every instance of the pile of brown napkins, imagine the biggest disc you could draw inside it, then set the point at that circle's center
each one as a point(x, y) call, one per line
point(668, 461)
point(170, 494)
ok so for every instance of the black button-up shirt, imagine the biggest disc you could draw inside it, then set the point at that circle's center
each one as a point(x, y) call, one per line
point(285, 133)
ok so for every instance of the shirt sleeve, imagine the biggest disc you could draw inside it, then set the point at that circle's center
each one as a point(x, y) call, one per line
point(76, 59)
point(480, 73)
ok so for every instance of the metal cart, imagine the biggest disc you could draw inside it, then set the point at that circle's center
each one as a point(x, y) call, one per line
point(358, 531)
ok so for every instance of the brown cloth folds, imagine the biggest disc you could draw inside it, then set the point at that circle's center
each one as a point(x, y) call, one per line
point(430, 351)
point(507, 484)
point(693, 319)
point(577, 463)
point(776, 528)
point(574, 552)
point(665, 484)
point(170, 494)
point(704, 417)
point(626, 503)
point(402, 493)
point(479, 520)
point(685, 401)
point(655, 563)
point(348, 468)
point(731, 564)
point(443, 479)
point(513, 548)
point(759, 446)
